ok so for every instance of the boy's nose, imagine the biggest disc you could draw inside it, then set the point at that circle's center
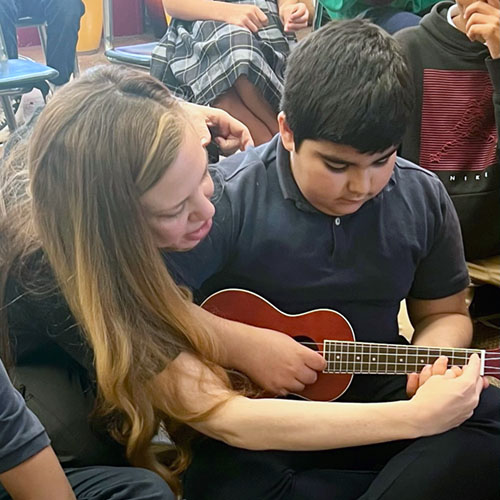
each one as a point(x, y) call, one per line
point(359, 183)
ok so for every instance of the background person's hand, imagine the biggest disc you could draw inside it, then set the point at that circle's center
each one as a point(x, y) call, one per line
point(294, 16)
point(483, 24)
point(245, 16)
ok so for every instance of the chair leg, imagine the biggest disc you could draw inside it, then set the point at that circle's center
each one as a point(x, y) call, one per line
point(76, 69)
point(42, 33)
point(9, 112)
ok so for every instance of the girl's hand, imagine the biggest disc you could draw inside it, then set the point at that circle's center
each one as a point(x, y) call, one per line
point(229, 134)
point(483, 24)
point(446, 401)
point(294, 16)
point(245, 16)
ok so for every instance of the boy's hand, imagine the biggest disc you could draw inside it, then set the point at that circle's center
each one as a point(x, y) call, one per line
point(294, 16)
point(446, 401)
point(439, 367)
point(245, 16)
point(483, 24)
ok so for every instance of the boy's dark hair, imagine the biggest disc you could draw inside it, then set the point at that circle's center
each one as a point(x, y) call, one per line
point(348, 83)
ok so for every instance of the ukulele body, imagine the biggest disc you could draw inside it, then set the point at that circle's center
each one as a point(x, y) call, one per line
point(310, 328)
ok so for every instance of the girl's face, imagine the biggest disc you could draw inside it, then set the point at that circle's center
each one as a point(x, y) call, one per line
point(178, 207)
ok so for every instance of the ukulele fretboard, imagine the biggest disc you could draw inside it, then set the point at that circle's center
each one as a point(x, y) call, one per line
point(371, 358)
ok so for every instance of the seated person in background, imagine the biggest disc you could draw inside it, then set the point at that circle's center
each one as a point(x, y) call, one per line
point(28, 466)
point(230, 55)
point(117, 174)
point(63, 23)
point(326, 216)
point(454, 56)
point(392, 15)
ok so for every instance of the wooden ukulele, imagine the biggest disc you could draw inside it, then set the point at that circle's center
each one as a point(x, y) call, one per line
point(329, 333)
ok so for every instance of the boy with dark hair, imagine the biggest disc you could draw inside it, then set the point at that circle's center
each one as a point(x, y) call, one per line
point(454, 55)
point(326, 216)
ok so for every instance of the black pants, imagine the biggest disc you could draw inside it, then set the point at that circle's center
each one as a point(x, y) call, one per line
point(463, 463)
point(63, 23)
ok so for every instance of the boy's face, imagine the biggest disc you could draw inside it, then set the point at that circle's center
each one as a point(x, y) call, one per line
point(337, 179)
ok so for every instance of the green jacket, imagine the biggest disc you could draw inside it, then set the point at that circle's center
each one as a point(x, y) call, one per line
point(345, 9)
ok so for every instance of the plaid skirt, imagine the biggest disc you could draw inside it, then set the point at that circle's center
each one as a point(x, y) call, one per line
point(200, 60)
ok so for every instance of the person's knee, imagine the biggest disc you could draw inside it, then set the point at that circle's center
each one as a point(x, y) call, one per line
point(150, 485)
point(64, 12)
point(119, 483)
point(489, 406)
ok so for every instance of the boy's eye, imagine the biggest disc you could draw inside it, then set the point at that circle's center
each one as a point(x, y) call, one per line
point(381, 162)
point(336, 167)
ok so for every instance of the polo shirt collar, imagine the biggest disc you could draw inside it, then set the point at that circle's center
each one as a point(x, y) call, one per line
point(288, 186)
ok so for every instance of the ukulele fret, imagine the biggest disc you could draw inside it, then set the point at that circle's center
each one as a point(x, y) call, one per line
point(373, 358)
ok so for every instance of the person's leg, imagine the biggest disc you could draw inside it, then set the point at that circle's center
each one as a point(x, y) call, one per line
point(391, 19)
point(222, 472)
point(461, 463)
point(63, 23)
point(254, 101)
point(8, 17)
point(231, 102)
point(117, 483)
point(61, 398)
point(398, 21)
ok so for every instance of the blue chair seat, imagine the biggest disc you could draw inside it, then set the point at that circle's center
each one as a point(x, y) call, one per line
point(27, 22)
point(23, 73)
point(139, 55)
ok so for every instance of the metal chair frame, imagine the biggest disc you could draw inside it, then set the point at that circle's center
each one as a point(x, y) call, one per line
point(138, 55)
point(20, 84)
point(319, 12)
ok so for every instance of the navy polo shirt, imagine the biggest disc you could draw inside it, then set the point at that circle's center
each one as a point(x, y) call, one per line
point(267, 238)
point(21, 433)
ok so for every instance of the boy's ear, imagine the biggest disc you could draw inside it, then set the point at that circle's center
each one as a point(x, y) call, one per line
point(285, 133)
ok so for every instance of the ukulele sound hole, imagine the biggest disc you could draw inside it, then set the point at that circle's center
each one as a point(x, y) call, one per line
point(307, 341)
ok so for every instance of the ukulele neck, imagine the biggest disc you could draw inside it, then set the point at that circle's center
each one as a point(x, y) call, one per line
point(371, 358)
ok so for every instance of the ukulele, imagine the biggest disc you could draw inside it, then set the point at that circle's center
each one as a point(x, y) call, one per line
point(329, 333)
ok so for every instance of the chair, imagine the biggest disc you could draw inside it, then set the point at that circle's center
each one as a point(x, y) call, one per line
point(133, 55)
point(41, 26)
point(320, 15)
point(18, 76)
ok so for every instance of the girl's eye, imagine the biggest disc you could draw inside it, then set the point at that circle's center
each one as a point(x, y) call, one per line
point(172, 216)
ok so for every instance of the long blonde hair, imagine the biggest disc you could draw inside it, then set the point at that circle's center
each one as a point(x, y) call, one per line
point(101, 142)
